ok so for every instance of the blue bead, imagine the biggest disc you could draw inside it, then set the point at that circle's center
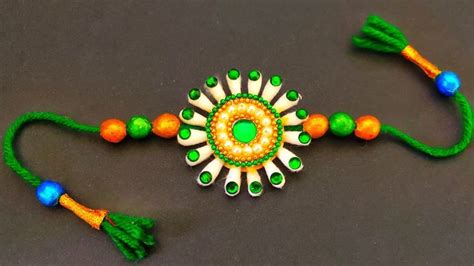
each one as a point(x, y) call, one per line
point(448, 83)
point(49, 192)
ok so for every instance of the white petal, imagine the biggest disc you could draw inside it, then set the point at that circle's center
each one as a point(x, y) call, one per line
point(233, 176)
point(204, 153)
point(284, 103)
point(214, 168)
point(217, 92)
point(293, 137)
point(286, 156)
point(234, 85)
point(270, 169)
point(291, 119)
point(197, 136)
point(254, 86)
point(196, 120)
point(202, 102)
point(270, 91)
point(253, 176)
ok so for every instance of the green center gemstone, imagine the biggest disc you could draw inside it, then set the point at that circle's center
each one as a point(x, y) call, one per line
point(255, 187)
point(244, 130)
point(275, 80)
point(211, 82)
point(301, 113)
point(205, 177)
point(187, 113)
point(232, 188)
point(194, 94)
point(138, 127)
point(233, 74)
point(184, 133)
point(193, 155)
point(295, 163)
point(276, 178)
point(254, 75)
point(292, 95)
point(341, 124)
point(304, 137)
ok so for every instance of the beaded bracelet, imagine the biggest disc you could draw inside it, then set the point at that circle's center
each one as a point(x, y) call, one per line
point(243, 131)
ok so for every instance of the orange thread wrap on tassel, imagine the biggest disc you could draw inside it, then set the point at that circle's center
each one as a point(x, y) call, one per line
point(93, 217)
point(414, 56)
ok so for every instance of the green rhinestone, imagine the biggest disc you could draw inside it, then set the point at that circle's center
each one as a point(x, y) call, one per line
point(193, 155)
point(295, 163)
point(255, 187)
point(232, 188)
point(275, 80)
point(341, 124)
point(187, 113)
point(304, 137)
point(205, 177)
point(233, 74)
point(184, 133)
point(211, 82)
point(301, 113)
point(276, 178)
point(254, 75)
point(194, 94)
point(292, 95)
point(138, 127)
point(244, 130)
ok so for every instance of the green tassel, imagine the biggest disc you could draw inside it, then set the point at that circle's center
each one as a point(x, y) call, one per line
point(381, 36)
point(129, 234)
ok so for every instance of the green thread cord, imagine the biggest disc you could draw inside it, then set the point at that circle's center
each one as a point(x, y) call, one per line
point(381, 36)
point(440, 152)
point(8, 152)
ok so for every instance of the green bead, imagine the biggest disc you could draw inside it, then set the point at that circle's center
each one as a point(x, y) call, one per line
point(184, 133)
point(275, 80)
point(304, 137)
point(301, 113)
point(193, 155)
point(194, 94)
point(341, 124)
point(232, 188)
point(276, 178)
point(205, 177)
point(295, 163)
point(292, 95)
point(233, 74)
point(138, 127)
point(211, 82)
point(254, 75)
point(187, 113)
point(255, 187)
point(244, 130)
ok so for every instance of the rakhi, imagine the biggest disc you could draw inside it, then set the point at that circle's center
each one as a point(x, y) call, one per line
point(242, 131)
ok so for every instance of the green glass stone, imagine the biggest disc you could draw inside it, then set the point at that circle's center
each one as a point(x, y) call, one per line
point(301, 113)
point(244, 130)
point(295, 163)
point(184, 133)
point(211, 82)
point(304, 137)
point(138, 127)
point(232, 188)
point(275, 80)
point(205, 177)
point(292, 95)
point(255, 187)
point(194, 94)
point(193, 155)
point(233, 74)
point(341, 124)
point(187, 113)
point(276, 178)
point(254, 75)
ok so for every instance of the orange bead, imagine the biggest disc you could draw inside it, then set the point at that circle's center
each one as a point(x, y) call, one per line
point(113, 130)
point(166, 125)
point(368, 127)
point(316, 125)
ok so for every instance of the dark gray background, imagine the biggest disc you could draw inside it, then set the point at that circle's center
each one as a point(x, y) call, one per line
point(354, 203)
